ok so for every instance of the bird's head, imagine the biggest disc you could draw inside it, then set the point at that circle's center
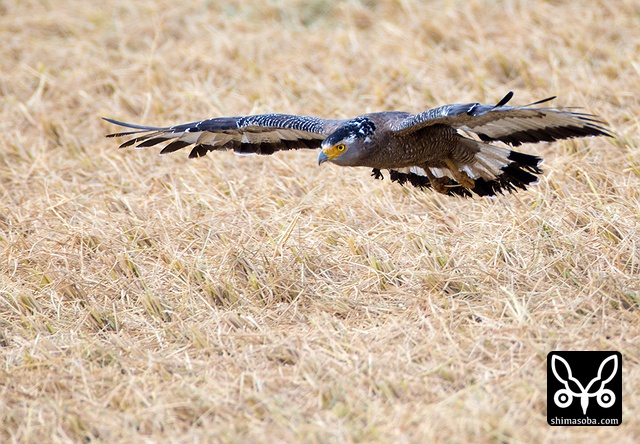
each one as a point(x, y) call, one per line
point(345, 146)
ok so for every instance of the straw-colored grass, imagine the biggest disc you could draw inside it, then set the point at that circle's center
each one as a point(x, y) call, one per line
point(262, 299)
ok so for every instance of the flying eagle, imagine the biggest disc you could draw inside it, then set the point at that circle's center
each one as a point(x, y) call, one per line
point(446, 148)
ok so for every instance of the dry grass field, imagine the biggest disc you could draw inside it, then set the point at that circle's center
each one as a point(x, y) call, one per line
point(148, 298)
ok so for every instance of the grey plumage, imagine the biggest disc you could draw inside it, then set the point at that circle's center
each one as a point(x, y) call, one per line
point(445, 148)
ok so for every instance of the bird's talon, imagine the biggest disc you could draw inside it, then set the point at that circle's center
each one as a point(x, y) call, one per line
point(439, 184)
point(460, 176)
point(466, 181)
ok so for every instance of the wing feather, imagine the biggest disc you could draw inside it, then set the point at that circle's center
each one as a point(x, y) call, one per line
point(510, 124)
point(259, 134)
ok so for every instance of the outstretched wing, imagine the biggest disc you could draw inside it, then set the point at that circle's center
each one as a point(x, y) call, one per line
point(514, 125)
point(260, 134)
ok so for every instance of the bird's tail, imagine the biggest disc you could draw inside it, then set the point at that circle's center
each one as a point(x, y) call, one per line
point(494, 170)
point(498, 169)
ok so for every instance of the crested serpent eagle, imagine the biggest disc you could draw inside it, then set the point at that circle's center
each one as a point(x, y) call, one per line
point(447, 148)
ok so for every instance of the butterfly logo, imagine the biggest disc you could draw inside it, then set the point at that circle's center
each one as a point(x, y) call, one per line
point(573, 388)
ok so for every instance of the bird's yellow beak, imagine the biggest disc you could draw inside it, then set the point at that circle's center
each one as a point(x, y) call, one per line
point(330, 153)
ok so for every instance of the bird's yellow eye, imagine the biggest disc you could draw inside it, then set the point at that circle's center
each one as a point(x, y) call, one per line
point(340, 147)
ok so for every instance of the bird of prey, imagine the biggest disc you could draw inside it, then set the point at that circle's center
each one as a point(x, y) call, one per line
point(447, 148)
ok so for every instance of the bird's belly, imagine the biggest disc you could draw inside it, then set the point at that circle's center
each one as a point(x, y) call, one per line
point(408, 158)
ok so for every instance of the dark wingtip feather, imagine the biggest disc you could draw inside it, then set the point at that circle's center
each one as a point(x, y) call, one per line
point(125, 133)
point(504, 100)
point(200, 150)
point(174, 146)
point(151, 142)
point(526, 161)
point(548, 99)
point(127, 143)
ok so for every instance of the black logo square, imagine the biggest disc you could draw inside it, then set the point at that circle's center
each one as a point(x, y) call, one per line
point(584, 388)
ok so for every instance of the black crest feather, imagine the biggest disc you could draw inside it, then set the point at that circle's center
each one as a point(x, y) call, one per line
point(358, 128)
